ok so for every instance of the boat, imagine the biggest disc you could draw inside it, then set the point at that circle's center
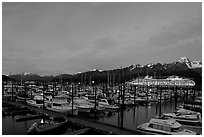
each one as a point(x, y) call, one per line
point(83, 105)
point(152, 98)
point(187, 112)
point(85, 108)
point(99, 108)
point(107, 106)
point(196, 107)
point(62, 107)
point(141, 100)
point(34, 103)
point(37, 101)
point(184, 114)
point(111, 108)
point(53, 126)
point(158, 126)
point(22, 99)
point(188, 120)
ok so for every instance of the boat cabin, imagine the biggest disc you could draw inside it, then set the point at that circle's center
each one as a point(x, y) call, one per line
point(104, 102)
point(38, 99)
point(60, 104)
point(168, 125)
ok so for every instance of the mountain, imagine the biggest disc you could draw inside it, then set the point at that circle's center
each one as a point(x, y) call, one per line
point(35, 77)
point(59, 78)
point(179, 68)
point(26, 76)
point(190, 64)
point(7, 78)
point(182, 67)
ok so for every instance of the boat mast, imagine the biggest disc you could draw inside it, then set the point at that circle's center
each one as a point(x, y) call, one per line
point(21, 78)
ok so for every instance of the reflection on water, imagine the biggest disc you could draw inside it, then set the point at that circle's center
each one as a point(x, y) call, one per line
point(11, 127)
point(135, 116)
point(132, 118)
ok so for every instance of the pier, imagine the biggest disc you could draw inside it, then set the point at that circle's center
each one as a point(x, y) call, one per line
point(91, 124)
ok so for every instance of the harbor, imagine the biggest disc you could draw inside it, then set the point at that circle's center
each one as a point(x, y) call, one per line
point(120, 112)
point(101, 68)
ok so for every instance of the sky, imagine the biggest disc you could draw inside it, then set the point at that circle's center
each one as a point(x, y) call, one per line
point(54, 38)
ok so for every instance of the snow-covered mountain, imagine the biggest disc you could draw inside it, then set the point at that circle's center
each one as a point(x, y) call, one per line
point(134, 66)
point(189, 63)
point(181, 67)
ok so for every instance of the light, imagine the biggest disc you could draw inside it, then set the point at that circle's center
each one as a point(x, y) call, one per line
point(92, 82)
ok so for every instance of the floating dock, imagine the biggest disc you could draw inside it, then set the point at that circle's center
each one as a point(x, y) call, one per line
point(102, 127)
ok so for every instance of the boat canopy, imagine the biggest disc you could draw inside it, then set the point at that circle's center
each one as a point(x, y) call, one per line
point(165, 122)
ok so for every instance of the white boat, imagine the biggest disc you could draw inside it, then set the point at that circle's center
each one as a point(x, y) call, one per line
point(104, 103)
point(163, 127)
point(187, 112)
point(83, 105)
point(85, 108)
point(111, 108)
point(189, 121)
point(34, 104)
point(37, 101)
point(62, 107)
point(140, 99)
point(152, 98)
point(98, 107)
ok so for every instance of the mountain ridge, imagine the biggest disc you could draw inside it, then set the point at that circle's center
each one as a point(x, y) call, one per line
point(182, 67)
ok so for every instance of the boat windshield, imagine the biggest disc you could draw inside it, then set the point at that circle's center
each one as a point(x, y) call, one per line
point(55, 104)
point(39, 101)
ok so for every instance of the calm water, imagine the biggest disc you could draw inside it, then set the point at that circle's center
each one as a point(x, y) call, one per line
point(132, 118)
point(135, 116)
point(11, 127)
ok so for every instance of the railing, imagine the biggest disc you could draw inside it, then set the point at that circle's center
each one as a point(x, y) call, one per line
point(162, 82)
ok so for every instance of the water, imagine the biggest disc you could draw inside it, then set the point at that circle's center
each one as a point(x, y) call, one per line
point(132, 118)
point(135, 116)
point(11, 127)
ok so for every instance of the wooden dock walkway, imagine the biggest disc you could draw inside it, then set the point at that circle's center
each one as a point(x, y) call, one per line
point(111, 129)
point(107, 128)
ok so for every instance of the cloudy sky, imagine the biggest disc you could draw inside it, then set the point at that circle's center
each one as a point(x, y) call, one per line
point(53, 38)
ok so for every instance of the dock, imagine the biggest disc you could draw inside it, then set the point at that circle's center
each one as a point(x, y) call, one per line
point(87, 123)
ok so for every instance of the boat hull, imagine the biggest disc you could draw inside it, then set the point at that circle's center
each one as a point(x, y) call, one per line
point(67, 111)
point(31, 103)
point(84, 109)
point(48, 128)
point(111, 108)
point(144, 129)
